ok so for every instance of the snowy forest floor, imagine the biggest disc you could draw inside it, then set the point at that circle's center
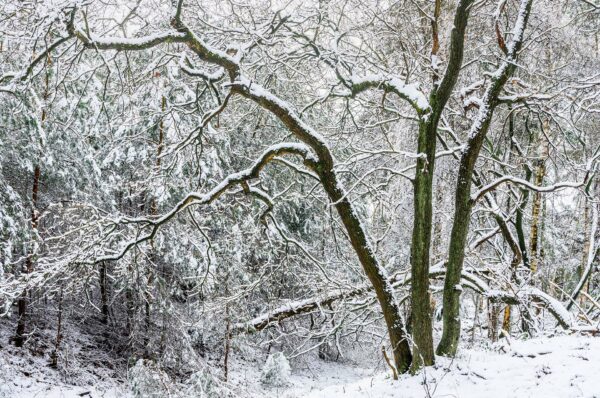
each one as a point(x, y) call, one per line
point(564, 366)
point(561, 366)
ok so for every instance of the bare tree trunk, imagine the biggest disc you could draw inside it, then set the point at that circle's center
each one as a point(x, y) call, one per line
point(153, 211)
point(592, 255)
point(59, 336)
point(23, 302)
point(463, 203)
point(104, 292)
point(506, 319)
point(493, 313)
point(508, 237)
point(324, 168)
point(519, 220)
point(540, 172)
point(420, 251)
point(227, 342)
point(478, 304)
point(586, 247)
point(129, 307)
point(422, 332)
point(390, 308)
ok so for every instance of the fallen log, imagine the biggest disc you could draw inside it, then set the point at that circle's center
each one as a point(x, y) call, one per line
point(468, 279)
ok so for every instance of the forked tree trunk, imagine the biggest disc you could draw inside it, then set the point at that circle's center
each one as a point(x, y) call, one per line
point(423, 352)
point(463, 203)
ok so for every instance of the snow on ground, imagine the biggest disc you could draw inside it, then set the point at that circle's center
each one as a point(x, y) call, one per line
point(33, 379)
point(25, 372)
point(41, 390)
point(561, 366)
point(565, 366)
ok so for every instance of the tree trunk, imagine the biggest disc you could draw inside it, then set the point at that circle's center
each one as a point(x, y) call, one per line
point(324, 167)
point(506, 320)
point(54, 355)
point(376, 274)
point(540, 172)
point(421, 237)
point(29, 262)
point(586, 248)
point(420, 249)
point(519, 220)
point(458, 240)
point(23, 302)
point(493, 313)
point(103, 292)
point(227, 343)
point(463, 202)
point(592, 256)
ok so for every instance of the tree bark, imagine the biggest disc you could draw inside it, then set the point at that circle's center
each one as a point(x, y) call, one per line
point(59, 336)
point(324, 168)
point(540, 172)
point(422, 333)
point(493, 313)
point(463, 202)
point(385, 295)
point(23, 302)
point(586, 248)
point(592, 256)
point(420, 250)
point(29, 262)
point(104, 292)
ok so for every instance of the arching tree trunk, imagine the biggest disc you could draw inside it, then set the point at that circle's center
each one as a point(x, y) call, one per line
point(376, 274)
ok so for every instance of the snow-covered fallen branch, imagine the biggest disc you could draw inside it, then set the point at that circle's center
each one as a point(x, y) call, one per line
point(527, 294)
point(468, 279)
point(312, 304)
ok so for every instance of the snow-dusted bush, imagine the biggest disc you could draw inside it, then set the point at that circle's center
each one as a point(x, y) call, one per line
point(276, 372)
point(204, 385)
point(146, 380)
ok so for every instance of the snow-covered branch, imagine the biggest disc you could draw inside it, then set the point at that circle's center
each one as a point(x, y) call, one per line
point(197, 198)
point(532, 294)
point(129, 44)
point(524, 183)
point(309, 305)
point(185, 65)
point(409, 92)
